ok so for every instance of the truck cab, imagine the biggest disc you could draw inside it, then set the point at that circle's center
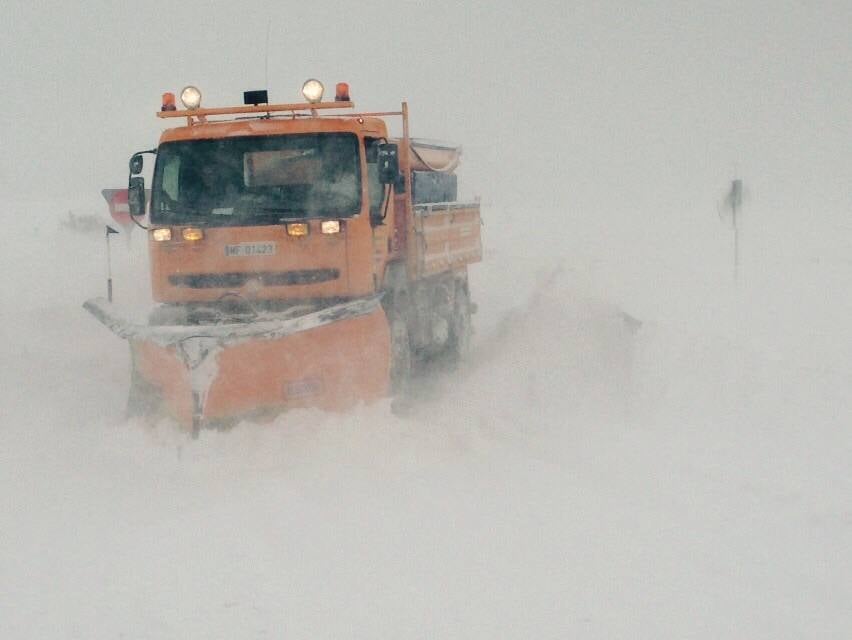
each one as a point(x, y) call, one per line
point(270, 210)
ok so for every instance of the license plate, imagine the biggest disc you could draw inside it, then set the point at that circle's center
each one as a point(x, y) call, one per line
point(250, 249)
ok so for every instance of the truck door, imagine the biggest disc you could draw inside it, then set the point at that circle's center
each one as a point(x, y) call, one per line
point(381, 211)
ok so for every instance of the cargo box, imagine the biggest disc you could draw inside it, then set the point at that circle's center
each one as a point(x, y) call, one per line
point(432, 186)
point(430, 155)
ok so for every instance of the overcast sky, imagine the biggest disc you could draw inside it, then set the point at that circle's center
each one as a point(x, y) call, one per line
point(593, 107)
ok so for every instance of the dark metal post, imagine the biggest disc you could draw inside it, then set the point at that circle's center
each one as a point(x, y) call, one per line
point(109, 230)
point(735, 200)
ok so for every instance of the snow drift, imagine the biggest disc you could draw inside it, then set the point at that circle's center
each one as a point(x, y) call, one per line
point(581, 475)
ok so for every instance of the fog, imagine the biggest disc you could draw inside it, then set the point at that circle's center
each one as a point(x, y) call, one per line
point(640, 445)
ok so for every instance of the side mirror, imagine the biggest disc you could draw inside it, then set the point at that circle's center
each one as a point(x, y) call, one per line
point(388, 161)
point(136, 164)
point(136, 196)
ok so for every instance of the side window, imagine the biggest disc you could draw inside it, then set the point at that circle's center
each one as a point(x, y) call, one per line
point(375, 188)
point(171, 177)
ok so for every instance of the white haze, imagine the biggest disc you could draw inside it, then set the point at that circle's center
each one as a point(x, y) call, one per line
point(577, 478)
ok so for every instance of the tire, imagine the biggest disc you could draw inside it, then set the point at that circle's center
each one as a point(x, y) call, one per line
point(401, 357)
point(461, 330)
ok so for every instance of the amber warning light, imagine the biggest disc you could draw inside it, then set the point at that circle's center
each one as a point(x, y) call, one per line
point(168, 102)
point(341, 92)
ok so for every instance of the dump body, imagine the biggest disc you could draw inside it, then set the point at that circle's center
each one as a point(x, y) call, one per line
point(447, 237)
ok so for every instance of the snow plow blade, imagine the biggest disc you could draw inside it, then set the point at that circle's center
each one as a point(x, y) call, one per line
point(332, 359)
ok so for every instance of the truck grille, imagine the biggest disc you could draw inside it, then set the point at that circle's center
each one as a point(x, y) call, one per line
point(266, 278)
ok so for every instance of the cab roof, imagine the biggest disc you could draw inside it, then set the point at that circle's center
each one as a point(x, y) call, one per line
point(268, 126)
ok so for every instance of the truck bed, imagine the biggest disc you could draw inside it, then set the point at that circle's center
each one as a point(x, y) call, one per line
point(446, 236)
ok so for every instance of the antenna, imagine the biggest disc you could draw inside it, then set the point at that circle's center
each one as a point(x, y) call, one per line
point(109, 231)
point(266, 58)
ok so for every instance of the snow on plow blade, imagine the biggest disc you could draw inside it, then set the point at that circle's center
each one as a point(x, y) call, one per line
point(332, 358)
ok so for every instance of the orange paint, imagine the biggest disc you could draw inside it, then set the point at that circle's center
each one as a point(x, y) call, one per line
point(350, 252)
point(332, 367)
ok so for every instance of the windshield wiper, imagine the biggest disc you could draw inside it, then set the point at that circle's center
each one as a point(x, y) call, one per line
point(275, 209)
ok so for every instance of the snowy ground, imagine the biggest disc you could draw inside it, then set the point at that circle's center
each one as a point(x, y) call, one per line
point(575, 480)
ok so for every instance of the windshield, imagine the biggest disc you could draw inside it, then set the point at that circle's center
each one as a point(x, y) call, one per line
point(257, 179)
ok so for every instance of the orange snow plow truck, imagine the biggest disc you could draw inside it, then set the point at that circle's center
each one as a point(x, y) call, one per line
point(299, 256)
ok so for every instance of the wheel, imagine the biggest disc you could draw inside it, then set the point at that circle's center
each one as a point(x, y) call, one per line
point(400, 366)
point(461, 331)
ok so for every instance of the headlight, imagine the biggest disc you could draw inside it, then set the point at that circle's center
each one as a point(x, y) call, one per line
point(312, 90)
point(330, 226)
point(161, 235)
point(297, 229)
point(192, 233)
point(191, 97)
